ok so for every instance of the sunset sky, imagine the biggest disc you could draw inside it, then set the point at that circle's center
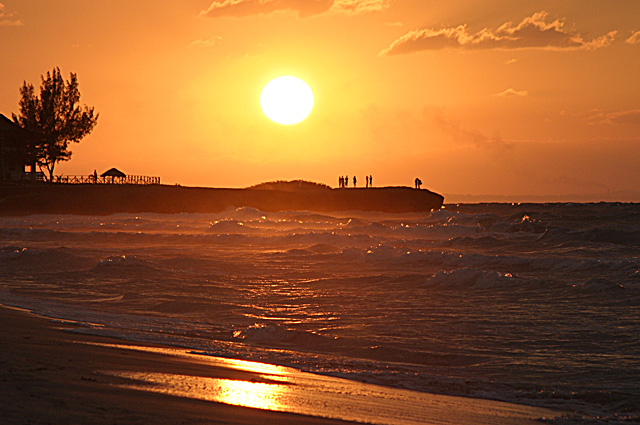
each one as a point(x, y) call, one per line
point(494, 97)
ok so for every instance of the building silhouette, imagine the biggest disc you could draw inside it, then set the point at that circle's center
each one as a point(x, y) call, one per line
point(17, 150)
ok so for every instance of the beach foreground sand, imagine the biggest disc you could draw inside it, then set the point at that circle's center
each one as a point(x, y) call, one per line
point(48, 375)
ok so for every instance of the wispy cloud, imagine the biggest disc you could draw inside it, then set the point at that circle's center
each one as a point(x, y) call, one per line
point(534, 32)
point(359, 6)
point(461, 136)
point(205, 42)
point(630, 116)
point(254, 7)
point(302, 8)
point(634, 39)
point(8, 19)
point(511, 92)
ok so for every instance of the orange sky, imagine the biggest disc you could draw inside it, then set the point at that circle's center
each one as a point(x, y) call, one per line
point(494, 97)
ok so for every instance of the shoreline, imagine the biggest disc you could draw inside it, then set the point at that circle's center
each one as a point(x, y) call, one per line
point(62, 377)
point(53, 376)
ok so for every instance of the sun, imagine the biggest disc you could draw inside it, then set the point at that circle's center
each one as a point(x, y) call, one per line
point(286, 100)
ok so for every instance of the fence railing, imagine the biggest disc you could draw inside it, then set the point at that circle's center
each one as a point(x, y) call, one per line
point(91, 179)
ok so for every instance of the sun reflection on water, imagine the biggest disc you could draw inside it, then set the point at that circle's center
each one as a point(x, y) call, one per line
point(267, 386)
point(259, 395)
point(256, 367)
point(250, 394)
point(277, 388)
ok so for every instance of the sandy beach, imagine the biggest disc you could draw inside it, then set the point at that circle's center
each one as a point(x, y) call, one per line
point(50, 375)
point(53, 377)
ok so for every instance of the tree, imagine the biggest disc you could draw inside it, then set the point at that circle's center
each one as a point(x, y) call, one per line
point(56, 117)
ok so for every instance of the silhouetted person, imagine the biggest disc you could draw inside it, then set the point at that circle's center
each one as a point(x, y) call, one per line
point(340, 181)
point(95, 176)
point(371, 181)
point(418, 183)
point(346, 181)
point(355, 182)
point(367, 180)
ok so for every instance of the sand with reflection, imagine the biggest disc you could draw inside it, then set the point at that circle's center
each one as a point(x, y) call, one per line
point(283, 389)
point(53, 377)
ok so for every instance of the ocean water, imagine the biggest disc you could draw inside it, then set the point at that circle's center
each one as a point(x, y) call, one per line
point(536, 304)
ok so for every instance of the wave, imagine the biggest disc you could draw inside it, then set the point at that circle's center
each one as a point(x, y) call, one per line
point(242, 214)
point(471, 278)
point(280, 336)
point(618, 235)
point(230, 226)
point(628, 236)
point(125, 265)
point(477, 242)
point(14, 258)
point(598, 285)
point(520, 264)
point(274, 334)
point(317, 249)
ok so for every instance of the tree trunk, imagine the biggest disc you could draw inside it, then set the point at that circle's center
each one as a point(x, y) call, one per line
point(50, 166)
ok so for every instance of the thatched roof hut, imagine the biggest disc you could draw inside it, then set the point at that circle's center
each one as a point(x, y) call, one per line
point(113, 172)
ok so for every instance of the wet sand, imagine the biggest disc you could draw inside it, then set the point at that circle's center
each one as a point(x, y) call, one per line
point(48, 375)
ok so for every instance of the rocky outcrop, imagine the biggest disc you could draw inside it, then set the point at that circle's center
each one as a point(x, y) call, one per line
point(99, 199)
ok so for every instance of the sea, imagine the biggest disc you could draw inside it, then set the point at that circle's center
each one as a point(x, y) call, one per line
point(536, 304)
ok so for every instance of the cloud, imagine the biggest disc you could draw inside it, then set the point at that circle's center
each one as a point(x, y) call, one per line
point(511, 92)
point(359, 6)
point(630, 116)
point(209, 42)
point(303, 8)
point(533, 32)
point(8, 19)
point(625, 117)
point(634, 39)
point(462, 136)
point(254, 7)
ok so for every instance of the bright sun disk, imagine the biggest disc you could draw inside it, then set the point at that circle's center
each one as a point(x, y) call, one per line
point(286, 100)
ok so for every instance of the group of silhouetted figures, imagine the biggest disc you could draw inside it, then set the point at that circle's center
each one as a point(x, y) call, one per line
point(343, 181)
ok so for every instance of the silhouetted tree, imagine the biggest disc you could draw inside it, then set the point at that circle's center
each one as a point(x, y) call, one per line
point(56, 116)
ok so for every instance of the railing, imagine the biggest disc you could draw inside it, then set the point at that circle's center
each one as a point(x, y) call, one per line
point(91, 179)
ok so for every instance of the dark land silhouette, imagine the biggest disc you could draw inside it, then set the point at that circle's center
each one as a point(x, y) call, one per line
point(103, 199)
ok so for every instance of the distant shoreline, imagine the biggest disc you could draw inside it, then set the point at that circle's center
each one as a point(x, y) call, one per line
point(105, 199)
point(624, 196)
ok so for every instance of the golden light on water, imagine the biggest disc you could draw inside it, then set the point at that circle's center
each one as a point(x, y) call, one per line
point(267, 389)
point(249, 394)
point(258, 395)
point(278, 388)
